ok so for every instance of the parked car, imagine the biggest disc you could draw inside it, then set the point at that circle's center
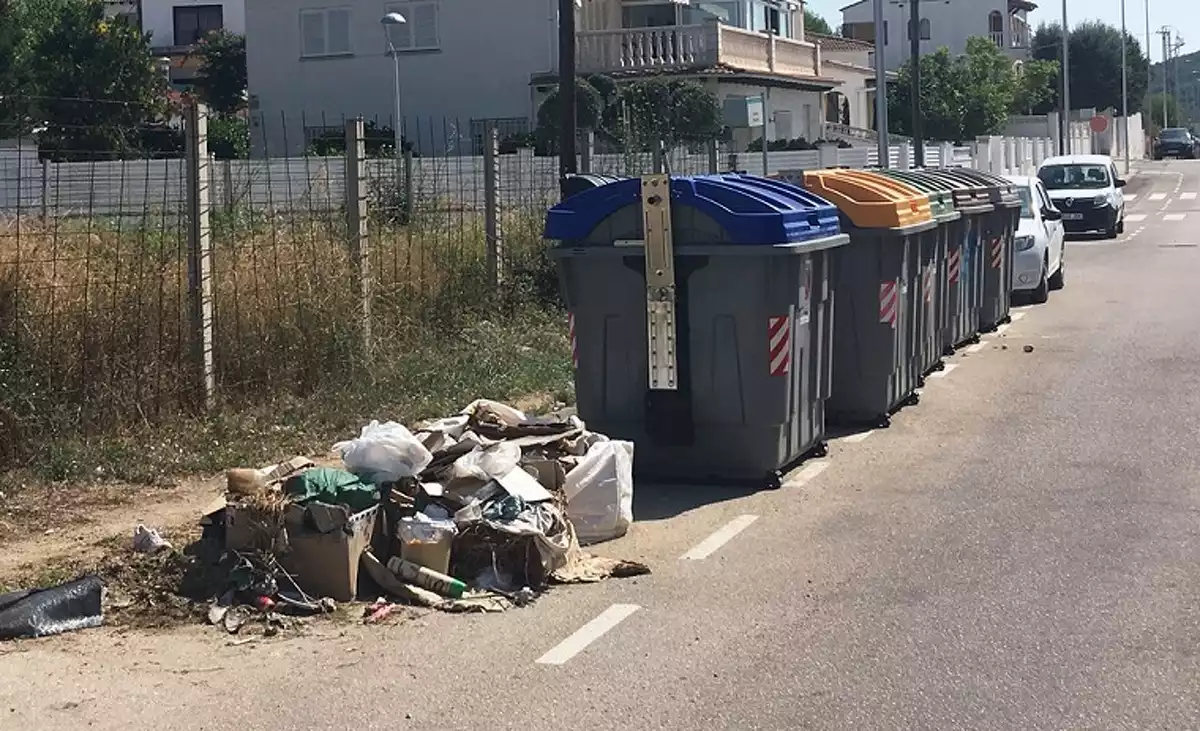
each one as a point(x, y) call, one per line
point(1038, 261)
point(1087, 190)
point(1176, 142)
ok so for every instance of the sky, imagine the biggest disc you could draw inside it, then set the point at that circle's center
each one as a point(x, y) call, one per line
point(1162, 12)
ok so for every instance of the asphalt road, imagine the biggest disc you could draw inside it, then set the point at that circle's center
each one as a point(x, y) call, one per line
point(1019, 551)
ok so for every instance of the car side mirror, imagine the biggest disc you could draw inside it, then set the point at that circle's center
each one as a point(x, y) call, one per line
point(1120, 182)
point(1051, 214)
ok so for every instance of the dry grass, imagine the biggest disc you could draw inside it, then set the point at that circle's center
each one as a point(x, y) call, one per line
point(95, 364)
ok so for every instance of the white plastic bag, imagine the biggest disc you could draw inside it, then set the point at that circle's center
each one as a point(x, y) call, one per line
point(384, 453)
point(600, 492)
point(487, 463)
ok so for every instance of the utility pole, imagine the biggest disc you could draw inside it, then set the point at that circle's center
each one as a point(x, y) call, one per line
point(1175, 48)
point(1066, 81)
point(568, 132)
point(1146, 122)
point(1165, 32)
point(1124, 90)
point(914, 47)
point(881, 110)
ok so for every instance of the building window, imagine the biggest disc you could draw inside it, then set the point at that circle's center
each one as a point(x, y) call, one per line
point(325, 32)
point(192, 22)
point(420, 33)
point(996, 27)
point(924, 29)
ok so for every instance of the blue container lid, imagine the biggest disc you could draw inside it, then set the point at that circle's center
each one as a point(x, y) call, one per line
point(750, 209)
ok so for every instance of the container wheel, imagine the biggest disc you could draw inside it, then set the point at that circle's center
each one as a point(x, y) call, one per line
point(774, 480)
point(884, 422)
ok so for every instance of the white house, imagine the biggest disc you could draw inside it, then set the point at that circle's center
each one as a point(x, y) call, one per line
point(946, 23)
point(466, 65)
point(176, 25)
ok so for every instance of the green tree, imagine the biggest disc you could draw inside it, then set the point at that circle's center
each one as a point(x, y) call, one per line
point(589, 110)
point(1156, 111)
point(961, 98)
point(221, 83)
point(1095, 66)
point(814, 23)
point(1035, 87)
point(13, 81)
point(672, 110)
point(95, 78)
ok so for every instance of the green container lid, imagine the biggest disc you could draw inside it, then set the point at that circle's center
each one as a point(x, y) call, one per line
point(941, 196)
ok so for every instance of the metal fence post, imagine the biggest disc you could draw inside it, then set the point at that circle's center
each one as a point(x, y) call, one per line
point(409, 189)
point(586, 149)
point(657, 157)
point(491, 208)
point(200, 290)
point(356, 225)
point(45, 190)
point(713, 151)
point(733, 162)
point(227, 182)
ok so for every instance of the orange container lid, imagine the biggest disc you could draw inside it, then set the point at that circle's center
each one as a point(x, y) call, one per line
point(870, 200)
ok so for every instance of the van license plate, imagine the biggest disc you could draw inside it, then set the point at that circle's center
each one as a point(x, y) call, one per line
point(1072, 216)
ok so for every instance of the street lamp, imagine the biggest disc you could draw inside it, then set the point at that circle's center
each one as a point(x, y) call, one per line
point(388, 22)
point(1066, 82)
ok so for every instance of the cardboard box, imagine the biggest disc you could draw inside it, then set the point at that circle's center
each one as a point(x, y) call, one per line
point(326, 562)
point(433, 555)
point(321, 545)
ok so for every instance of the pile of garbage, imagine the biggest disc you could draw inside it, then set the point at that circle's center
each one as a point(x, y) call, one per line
point(478, 512)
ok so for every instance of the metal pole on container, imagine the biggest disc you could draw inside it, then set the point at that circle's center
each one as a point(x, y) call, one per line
point(1165, 33)
point(1147, 122)
point(1124, 89)
point(1066, 81)
point(881, 110)
point(567, 133)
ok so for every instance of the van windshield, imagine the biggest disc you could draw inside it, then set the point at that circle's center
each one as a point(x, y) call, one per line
point(1057, 177)
point(1175, 133)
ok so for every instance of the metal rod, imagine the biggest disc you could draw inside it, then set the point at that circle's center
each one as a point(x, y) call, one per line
point(397, 134)
point(881, 110)
point(567, 133)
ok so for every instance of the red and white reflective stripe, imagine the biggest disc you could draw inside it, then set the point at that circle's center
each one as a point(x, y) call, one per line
point(889, 302)
point(930, 281)
point(779, 342)
point(955, 264)
point(574, 343)
point(997, 253)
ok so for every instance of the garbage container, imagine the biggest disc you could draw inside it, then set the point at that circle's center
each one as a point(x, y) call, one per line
point(964, 265)
point(933, 305)
point(873, 343)
point(702, 335)
point(999, 241)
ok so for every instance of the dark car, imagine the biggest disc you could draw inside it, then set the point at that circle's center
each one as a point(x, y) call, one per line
point(1176, 142)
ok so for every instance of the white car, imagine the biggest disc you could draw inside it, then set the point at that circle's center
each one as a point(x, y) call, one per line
point(1087, 190)
point(1038, 259)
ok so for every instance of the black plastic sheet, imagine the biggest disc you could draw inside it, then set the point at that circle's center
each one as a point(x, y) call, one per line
point(42, 612)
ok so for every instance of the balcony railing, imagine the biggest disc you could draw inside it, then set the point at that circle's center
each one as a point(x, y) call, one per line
point(694, 46)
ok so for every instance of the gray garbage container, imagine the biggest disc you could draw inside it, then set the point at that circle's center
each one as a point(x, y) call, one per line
point(875, 368)
point(704, 334)
point(999, 247)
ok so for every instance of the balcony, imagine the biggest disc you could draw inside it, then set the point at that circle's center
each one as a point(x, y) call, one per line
point(666, 48)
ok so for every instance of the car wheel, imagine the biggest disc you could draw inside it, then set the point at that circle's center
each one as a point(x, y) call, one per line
point(1111, 231)
point(1121, 225)
point(1058, 279)
point(1041, 295)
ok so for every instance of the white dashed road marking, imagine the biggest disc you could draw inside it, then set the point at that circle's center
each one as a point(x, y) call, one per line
point(1157, 196)
point(723, 535)
point(1131, 196)
point(976, 347)
point(1135, 218)
point(587, 634)
point(1174, 217)
point(858, 436)
point(1187, 196)
point(807, 474)
point(1016, 316)
point(944, 372)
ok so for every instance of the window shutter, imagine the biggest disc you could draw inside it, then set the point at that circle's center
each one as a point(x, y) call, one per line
point(425, 25)
point(338, 30)
point(312, 33)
